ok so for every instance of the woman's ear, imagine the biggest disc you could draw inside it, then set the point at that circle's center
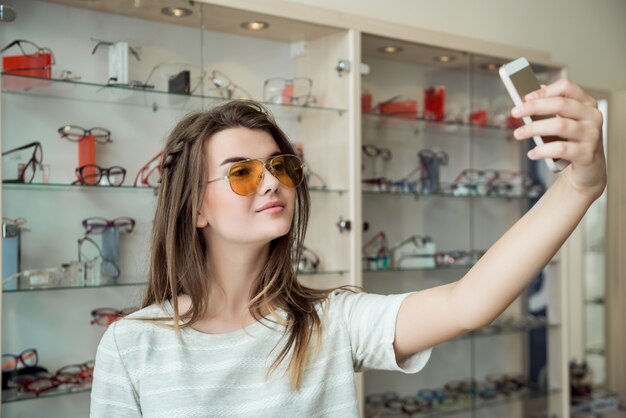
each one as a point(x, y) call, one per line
point(202, 221)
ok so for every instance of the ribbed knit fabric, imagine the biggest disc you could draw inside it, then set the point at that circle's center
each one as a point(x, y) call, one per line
point(146, 370)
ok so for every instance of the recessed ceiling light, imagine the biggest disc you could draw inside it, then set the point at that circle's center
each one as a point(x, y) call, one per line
point(390, 49)
point(445, 58)
point(255, 25)
point(176, 11)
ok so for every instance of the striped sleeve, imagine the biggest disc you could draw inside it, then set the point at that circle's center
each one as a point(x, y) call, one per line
point(112, 393)
point(371, 322)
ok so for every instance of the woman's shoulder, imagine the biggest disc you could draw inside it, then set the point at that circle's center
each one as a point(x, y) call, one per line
point(148, 322)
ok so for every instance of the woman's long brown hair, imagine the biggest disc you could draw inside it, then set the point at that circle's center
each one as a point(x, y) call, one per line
point(178, 259)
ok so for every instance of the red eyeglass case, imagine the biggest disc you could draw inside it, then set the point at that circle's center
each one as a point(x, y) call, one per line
point(31, 65)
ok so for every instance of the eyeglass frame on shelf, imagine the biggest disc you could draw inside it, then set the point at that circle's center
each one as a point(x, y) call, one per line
point(102, 171)
point(33, 160)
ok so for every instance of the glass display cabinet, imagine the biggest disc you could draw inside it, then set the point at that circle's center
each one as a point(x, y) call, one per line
point(411, 165)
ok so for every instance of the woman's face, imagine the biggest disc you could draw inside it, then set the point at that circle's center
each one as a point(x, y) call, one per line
point(229, 217)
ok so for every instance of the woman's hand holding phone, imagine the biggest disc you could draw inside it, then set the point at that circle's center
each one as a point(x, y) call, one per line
point(579, 121)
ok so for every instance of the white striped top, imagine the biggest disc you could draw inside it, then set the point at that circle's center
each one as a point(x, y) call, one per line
point(146, 370)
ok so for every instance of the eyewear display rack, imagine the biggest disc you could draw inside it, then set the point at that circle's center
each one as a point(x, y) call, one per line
point(473, 184)
point(225, 59)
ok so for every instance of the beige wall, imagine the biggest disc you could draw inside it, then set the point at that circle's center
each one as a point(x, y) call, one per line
point(588, 36)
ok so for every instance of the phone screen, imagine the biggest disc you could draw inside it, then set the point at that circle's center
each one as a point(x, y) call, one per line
point(526, 82)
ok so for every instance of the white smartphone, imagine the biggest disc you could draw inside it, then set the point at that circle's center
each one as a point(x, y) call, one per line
point(519, 79)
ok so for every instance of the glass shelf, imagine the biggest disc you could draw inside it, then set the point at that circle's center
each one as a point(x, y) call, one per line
point(502, 400)
point(65, 186)
point(378, 120)
point(13, 395)
point(492, 332)
point(436, 268)
point(127, 284)
point(77, 286)
point(155, 99)
point(418, 196)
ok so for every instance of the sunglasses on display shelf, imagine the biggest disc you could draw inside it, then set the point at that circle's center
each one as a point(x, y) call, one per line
point(309, 261)
point(457, 258)
point(67, 376)
point(31, 49)
point(508, 383)
point(106, 316)
point(94, 175)
point(509, 183)
point(391, 404)
point(90, 253)
point(97, 225)
point(435, 398)
point(469, 182)
point(293, 91)
point(245, 176)
point(27, 358)
point(413, 252)
point(430, 162)
point(67, 75)
point(373, 151)
point(75, 133)
point(150, 174)
point(26, 171)
point(376, 252)
point(170, 70)
point(133, 84)
point(17, 222)
point(226, 88)
point(133, 50)
point(312, 178)
point(405, 184)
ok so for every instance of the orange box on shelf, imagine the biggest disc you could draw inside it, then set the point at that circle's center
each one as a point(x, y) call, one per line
point(38, 66)
point(366, 103)
point(404, 108)
point(87, 156)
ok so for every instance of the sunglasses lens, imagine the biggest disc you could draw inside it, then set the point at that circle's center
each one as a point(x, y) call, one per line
point(72, 133)
point(8, 362)
point(95, 225)
point(30, 358)
point(116, 176)
point(102, 135)
point(288, 170)
point(273, 90)
point(125, 224)
point(29, 172)
point(245, 177)
point(90, 174)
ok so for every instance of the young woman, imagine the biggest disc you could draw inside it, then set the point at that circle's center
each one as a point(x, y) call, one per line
point(226, 329)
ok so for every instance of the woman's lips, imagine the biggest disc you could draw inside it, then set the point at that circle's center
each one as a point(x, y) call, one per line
point(275, 206)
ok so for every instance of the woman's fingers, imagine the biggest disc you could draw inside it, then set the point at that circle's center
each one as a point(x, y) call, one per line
point(577, 153)
point(564, 88)
point(562, 106)
point(562, 127)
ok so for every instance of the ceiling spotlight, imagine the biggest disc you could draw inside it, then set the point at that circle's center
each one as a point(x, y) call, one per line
point(390, 49)
point(255, 25)
point(176, 11)
point(445, 58)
